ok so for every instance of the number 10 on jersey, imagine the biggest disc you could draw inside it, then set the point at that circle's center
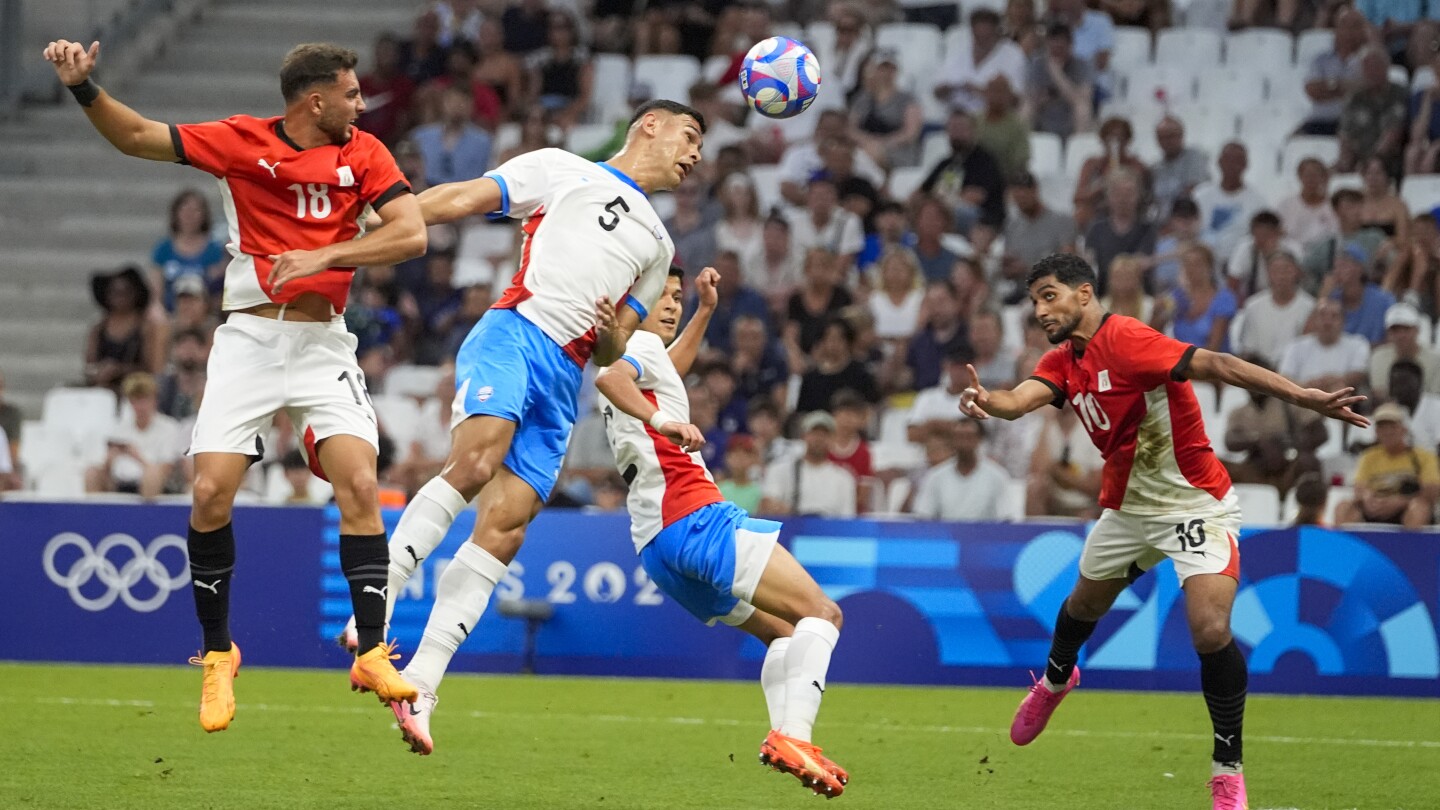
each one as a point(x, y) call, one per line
point(1090, 412)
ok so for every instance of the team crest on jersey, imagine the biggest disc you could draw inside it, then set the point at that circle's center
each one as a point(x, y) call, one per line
point(347, 177)
point(659, 231)
point(484, 393)
point(1104, 380)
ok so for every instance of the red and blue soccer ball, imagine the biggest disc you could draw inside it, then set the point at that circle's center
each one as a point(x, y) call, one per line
point(780, 77)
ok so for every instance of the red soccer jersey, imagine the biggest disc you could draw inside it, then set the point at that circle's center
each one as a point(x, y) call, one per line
point(280, 197)
point(1129, 390)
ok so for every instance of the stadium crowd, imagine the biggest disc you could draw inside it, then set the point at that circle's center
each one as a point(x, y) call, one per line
point(873, 247)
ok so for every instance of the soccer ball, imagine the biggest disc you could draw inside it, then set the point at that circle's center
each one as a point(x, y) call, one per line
point(780, 77)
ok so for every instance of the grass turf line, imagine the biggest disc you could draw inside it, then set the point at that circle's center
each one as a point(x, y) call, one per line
point(127, 737)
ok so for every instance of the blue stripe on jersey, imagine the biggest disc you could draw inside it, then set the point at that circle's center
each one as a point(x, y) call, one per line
point(504, 198)
point(639, 369)
point(636, 305)
point(624, 178)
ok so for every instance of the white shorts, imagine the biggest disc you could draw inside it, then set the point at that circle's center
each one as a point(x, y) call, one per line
point(1124, 545)
point(260, 365)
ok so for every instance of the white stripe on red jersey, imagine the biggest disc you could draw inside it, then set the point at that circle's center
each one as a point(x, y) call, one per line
point(666, 483)
point(1128, 389)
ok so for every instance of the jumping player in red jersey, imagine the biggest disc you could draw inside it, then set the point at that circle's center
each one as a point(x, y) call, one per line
point(1163, 491)
point(295, 188)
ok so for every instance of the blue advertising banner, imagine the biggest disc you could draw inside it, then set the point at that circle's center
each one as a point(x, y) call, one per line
point(1319, 611)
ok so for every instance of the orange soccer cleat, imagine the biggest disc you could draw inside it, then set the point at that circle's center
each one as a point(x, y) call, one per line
point(217, 691)
point(373, 672)
point(805, 762)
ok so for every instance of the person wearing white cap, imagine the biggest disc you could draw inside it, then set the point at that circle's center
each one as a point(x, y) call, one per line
point(811, 484)
point(1395, 482)
point(1402, 342)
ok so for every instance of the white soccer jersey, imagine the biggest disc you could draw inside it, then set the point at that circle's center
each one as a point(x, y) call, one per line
point(589, 231)
point(666, 483)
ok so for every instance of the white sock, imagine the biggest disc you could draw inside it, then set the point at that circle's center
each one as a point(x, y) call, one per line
point(806, 663)
point(1219, 768)
point(422, 526)
point(772, 680)
point(460, 598)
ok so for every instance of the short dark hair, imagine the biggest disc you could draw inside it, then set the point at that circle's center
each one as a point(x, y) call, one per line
point(677, 271)
point(1067, 268)
point(179, 200)
point(1346, 195)
point(846, 330)
point(847, 399)
point(1185, 207)
point(1409, 366)
point(313, 63)
point(1267, 218)
point(672, 107)
point(294, 460)
point(195, 333)
point(982, 15)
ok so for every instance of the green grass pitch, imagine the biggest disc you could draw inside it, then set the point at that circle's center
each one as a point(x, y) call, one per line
point(127, 737)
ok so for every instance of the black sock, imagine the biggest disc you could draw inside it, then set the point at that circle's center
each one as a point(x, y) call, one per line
point(1070, 635)
point(212, 563)
point(365, 559)
point(1224, 678)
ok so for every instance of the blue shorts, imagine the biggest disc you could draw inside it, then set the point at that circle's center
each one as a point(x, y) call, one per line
point(710, 561)
point(508, 368)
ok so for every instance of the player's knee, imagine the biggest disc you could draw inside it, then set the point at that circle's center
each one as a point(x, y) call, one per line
point(1210, 634)
point(211, 501)
point(1085, 609)
point(358, 487)
point(474, 470)
point(825, 608)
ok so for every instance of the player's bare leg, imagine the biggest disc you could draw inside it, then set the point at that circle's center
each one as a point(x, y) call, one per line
point(1079, 613)
point(507, 505)
point(211, 545)
point(349, 462)
point(1224, 678)
point(788, 591)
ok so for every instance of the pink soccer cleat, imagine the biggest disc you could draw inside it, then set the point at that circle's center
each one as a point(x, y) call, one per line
point(1036, 708)
point(1228, 792)
point(414, 721)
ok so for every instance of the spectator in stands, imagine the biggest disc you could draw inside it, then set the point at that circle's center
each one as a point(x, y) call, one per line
point(1327, 358)
point(1179, 231)
point(1061, 86)
point(125, 340)
point(802, 160)
point(969, 181)
point(1226, 206)
point(705, 415)
point(1394, 20)
point(993, 359)
point(849, 447)
point(301, 488)
point(1123, 228)
point(825, 224)
point(1032, 231)
point(1277, 440)
point(1275, 316)
point(142, 450)
point(1406, 386)
point(940, 403)
point(482, 103)
point(1320, 256)
point(1335, 74)
point(943, 331)
point(454, 149)
point(1093, 31)
point(844, 59)
point(741, 228)
point(1395, 482)
point(1065, 469)
point(188, 250)
point(1090, 189)
point(535, 133)
point(1126, 293)
point(1413, 271)
point(1363, 302)
point(1179, 170)
point(932, 218)
point(1246, 270)
point(430, 440)
point(1151, 14)
point(818, 300)
point(179, 388)
point(1199, 309)
point(736, 299)
point(500, 70)
point(831, 367)
point(388, 91)
point(738, 482)
point(561, 77)
point(1382, 207)
point(10, 422)
point(422, 54)
point(896, 302)
point(1002, 129)
point(888, 224)
point(766, 422)
point(759, 366)
point(780, 271)
point(526, 25)
point(437, 303)
point(192, 306)
point(1402, 344)
point(1422, 156)
point(886, 120)
point(692, 227)
point(475, 301)
point(980, 58)
point(1311, 496)
point(1372, 122)
point(967, 486)
point(723, 384)
point(459, 20)
point(1251, 13)
point(1308, 217)
point(811, 484)
point(10, 478)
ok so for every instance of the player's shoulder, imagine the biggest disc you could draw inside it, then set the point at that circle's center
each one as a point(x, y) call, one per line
point(645, 342)
point(1125, 327)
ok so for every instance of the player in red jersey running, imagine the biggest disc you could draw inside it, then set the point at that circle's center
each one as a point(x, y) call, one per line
point(295, 188)
point(1163, 491)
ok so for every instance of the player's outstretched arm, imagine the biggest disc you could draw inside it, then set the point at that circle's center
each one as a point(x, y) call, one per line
point(126, 130)
point(978, 402)
point(448, 202)
point(400, 238)
point(687, 346)
point(618, 385)
point(1208, 366)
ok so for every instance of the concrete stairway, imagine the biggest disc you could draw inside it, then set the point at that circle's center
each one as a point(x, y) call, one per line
point(70, 204)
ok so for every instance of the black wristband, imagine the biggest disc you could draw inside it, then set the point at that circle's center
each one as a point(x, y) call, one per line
point(85, 92)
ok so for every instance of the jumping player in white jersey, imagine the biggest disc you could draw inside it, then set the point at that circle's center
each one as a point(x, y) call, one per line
point(296, 188)
point(1163, 491)
point(708, 554)
point(590, 237)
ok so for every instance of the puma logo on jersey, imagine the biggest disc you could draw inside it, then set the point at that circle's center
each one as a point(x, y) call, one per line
point(267, 167)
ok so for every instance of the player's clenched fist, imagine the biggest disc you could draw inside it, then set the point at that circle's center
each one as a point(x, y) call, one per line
point(684, 434)
point(72, 62)
point(705, 287)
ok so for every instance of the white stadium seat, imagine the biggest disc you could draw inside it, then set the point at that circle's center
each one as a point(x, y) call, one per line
point(906, 181)
point(1311, 44)
point(412, 381)
point(78, 420)
point(935, 148)
point(1047, 153)
point(1175, 82)
point(1421, 192)
point(1259, 503)
point(400, 417)
point(1196, 46)
point(1132, 49)
point(1079, 148)
point(1302, 146)
point(1232, 88)
point(1259, 49)
point(917, 44)
point(668, 76)
point(820, 38)
point(586, 137)
point(611, 87)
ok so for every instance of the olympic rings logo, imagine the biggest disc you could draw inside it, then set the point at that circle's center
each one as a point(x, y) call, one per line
point(94, 563)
